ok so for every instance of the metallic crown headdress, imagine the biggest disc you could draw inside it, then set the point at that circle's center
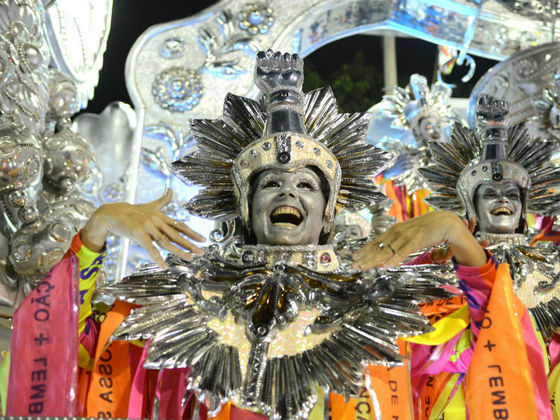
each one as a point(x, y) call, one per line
point(494, 153)
point(416, 101)
point(234, 149)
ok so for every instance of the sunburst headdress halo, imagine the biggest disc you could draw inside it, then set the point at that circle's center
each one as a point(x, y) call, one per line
point(492, 153)
point(232, 150)
point(493, 164)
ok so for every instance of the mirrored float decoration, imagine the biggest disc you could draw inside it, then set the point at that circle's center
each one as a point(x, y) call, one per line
point(46, 192)
point(530, 82)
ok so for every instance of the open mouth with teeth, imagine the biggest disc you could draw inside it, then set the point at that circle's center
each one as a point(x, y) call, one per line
point(286, 217)
point(501, 211)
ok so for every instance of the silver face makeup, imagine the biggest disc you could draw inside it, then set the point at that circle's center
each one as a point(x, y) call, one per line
point(351, 232)
point(498, 207)
point(430, 129)
point(288, 207)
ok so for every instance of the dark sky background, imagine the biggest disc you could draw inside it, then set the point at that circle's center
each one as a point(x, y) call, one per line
point(131, 18)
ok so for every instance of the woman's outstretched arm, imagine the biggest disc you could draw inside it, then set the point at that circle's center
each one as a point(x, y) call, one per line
point(402, 239)
point(143, 223)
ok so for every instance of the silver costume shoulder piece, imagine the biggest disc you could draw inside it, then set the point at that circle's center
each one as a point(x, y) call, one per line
point(534, 270)
point(494, 153)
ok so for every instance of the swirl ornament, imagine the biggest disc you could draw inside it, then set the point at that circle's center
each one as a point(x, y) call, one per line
point(68, 160)
point(255, 18)
point(177, 89)
point(527, 68)
point(547, 119)
point(20, 174)
point(24, 59)
point(20, 164)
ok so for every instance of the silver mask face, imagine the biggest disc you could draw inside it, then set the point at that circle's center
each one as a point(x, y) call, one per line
point(351, 232)
point(428, 128)
point(498, 207)
point(288, 207)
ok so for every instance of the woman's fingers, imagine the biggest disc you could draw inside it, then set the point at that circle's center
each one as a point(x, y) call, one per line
point(384, 248)
point(146, 241)
point(400, 251)
point(176, 237)
point(166, 244)
point(485, 243)
point(183, 228)
point(157, 233)
point(144, 223)
point(373, 246)
point(418, 233)
point(402, 239)
point(472, 224)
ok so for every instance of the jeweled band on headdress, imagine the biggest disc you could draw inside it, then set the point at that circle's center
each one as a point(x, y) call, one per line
point(234, 149)
point(493, 153)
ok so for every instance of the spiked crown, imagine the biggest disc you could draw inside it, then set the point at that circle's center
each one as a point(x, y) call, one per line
point(496, 153)
point(232, 150)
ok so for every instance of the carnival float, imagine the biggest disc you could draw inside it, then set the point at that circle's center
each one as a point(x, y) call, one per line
point(269, 324)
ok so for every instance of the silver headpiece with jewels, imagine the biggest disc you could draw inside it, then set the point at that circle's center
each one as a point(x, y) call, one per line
point(495, 152)
point(234, 149)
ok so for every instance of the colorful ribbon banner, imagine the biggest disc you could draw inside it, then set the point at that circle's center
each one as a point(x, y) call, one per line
point(506, 377)
point(44, 347)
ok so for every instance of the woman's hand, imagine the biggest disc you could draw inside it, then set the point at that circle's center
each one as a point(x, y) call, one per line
point(143, 223)
point(402, 239)
point(443, 254)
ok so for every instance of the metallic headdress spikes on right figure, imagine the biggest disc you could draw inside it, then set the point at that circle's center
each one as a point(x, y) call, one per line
point(494, 152)
point(498, 174)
